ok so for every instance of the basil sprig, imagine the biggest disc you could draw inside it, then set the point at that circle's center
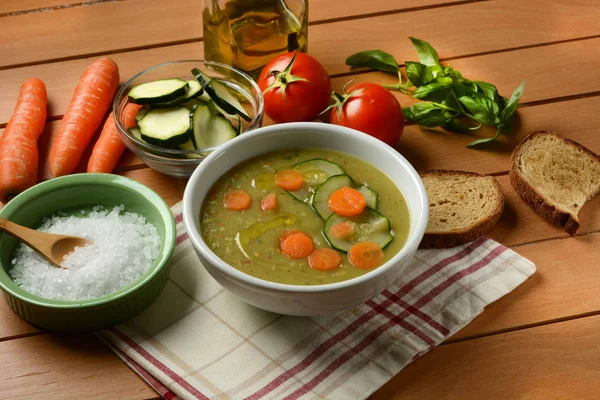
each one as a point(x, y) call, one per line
point(450, 100)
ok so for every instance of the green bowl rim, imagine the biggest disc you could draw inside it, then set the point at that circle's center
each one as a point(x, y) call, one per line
point(109, 180)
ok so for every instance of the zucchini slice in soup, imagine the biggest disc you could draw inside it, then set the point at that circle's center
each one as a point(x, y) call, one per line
point(371, 196)
point(315, 172)
point(161, 91)
point(368, 226)
point(166, 127)
point(320, 201)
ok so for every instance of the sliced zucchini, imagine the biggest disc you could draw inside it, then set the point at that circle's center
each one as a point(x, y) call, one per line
point(156, 92)
point(141, 113)
point(320, 201)
point(166, 127)
point(315, 172)
point(221, 95)
point(371, 196)
point(136, 133)
point(369, 226)
point(210, 130)
point(189, 145)
point(191, 104)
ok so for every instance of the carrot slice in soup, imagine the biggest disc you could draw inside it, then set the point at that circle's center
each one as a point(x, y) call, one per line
point(324, 259)
point(289, 179)
point(297, 245)
point(285, 236)
point(237, 200)
point(366, 255)
point(269, 202)
point(347, 201)
point(341, 230)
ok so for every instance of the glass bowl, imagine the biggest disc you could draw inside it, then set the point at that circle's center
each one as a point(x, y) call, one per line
point(181, 163)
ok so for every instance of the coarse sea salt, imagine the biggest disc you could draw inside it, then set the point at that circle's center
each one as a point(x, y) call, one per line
point(124, 247)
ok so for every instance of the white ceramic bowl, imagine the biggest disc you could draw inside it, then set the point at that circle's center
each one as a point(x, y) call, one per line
point(296, 299)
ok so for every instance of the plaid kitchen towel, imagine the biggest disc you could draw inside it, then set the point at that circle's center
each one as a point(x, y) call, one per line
point(197, 341)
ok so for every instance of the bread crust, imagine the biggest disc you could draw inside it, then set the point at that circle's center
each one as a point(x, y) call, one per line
point(440, 240)
point(531, 196)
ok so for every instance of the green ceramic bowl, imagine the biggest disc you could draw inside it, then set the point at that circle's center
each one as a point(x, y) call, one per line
point(44, 199)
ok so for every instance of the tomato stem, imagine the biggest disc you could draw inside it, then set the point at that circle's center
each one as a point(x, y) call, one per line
point(284, 78)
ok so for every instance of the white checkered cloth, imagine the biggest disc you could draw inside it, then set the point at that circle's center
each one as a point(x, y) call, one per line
point(197, 341)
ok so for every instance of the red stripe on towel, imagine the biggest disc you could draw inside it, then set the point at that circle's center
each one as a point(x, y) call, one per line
point(162, 367)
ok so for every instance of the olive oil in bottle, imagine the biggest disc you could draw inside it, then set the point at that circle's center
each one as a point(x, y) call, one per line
point(247, 34)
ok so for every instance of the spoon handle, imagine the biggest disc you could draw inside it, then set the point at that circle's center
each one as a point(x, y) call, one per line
point(37, 240)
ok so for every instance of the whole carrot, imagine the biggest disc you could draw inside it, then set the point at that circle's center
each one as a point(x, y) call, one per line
point(91, 99)
point(18, 143)
point(109, 147)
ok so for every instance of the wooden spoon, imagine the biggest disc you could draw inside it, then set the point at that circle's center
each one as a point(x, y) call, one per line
point(52, 247)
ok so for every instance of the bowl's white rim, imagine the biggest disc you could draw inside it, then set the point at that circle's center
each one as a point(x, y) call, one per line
point(190, 223)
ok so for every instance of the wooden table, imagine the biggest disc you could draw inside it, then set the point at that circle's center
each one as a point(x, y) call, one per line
point(539, 342)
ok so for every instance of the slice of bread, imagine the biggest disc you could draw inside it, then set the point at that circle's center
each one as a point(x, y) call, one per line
point(556, 176)
point(462, 207)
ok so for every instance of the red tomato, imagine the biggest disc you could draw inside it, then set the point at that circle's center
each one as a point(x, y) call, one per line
point(372, 109)
point(295, 86)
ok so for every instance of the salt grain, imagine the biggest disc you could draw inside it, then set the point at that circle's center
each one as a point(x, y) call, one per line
point(124, 247)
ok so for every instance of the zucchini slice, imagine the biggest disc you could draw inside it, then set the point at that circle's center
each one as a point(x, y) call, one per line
point(189, 145)
point(221, 95)
point(371, 196)
point(166, 127)
point(156, 92)
point(141, 113)
point(320, 201)
point(369, 226)
point(136, 133)
point(210, 130)
point(315, 172)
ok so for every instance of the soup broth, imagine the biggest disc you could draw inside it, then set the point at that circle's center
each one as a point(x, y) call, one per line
point(249, 239)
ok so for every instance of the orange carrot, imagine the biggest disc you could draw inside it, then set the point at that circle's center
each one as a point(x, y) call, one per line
point(237, 200)
point(91, 99)
point(109, 147)
point(269, 202)
point(342, 230)
point(366, 255)
point(324, 259)
point(297, 245)
point(285, 236)
point(347, 201)
point(18, 143)
point(289, 179)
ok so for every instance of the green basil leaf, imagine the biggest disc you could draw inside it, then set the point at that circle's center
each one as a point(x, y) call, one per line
point(454, 74)
point(436, 91)
point(427, 54)
point(375, 59)
point(434, 118)
point(487, 140)
point(487, 89)
point(457, 125)
point(415, 72)
point(483, 109)
point(414, 111)
point(512, 104)
point(452, 102)
point(427, 114)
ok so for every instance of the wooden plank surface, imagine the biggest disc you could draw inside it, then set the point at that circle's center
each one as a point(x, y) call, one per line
point(504, 42)
point(558, 361)
point(503, 29)
point(524, 364)
point(518, 66)
point(23, 6)
point(54, 366)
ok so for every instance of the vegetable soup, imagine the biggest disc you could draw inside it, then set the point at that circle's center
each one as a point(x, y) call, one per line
point(305, 217)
